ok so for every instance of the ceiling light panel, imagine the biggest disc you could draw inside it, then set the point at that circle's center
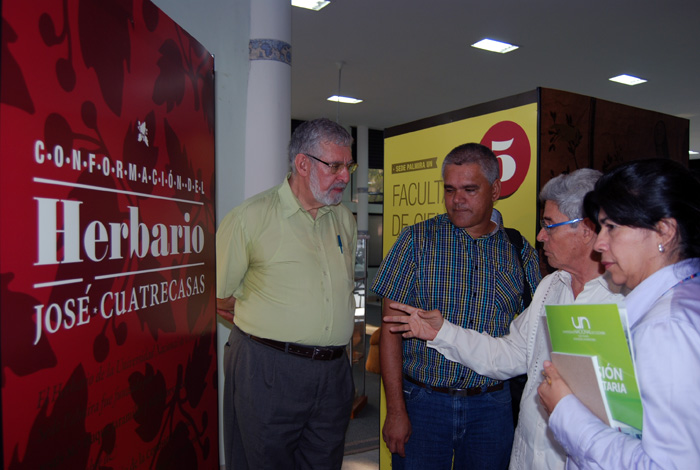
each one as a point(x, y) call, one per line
point(310, 4)
point(494, 46)
point(627, 80)
point(344, 99)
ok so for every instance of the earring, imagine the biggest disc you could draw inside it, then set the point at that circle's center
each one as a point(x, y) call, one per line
point(661, 248)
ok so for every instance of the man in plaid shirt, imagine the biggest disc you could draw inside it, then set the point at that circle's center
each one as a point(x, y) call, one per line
point(463, 264)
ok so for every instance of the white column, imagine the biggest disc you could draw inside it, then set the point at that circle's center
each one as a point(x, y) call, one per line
point(268, 114)
point(267, 121)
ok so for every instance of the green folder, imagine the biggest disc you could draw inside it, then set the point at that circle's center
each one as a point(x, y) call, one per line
point(602, 332)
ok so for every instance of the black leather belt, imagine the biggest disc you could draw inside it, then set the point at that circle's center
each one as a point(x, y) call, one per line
point(461, 392)
point(318, 353)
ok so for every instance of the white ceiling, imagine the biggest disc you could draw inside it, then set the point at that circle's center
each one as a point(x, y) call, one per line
point(410, 59)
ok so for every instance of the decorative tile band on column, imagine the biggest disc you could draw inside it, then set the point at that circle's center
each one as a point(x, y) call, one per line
point(270, 49)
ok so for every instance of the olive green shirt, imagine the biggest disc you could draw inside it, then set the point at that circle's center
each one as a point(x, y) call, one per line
point(292, 275)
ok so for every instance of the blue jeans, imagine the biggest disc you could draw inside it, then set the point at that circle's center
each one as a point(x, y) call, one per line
point(476, 431)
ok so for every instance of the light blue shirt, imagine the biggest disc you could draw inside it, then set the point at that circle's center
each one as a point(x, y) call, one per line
point(664, 316)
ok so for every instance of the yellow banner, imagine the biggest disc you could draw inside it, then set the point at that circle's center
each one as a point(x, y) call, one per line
point(413, 177)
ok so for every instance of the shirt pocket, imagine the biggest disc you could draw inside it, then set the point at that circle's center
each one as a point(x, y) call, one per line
point(508, 288)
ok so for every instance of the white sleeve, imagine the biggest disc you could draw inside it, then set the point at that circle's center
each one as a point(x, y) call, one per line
point(499, 358)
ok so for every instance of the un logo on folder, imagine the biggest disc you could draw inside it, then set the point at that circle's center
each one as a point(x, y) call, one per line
point(579, 323)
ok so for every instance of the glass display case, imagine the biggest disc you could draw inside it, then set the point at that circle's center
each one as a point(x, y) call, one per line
point(358, 344)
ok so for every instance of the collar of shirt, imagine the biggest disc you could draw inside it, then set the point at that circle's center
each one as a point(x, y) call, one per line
point(593, 291)
point(564, 277)
point(603, 281)
point(496, 218)
point(650, 289)
point(290, 204)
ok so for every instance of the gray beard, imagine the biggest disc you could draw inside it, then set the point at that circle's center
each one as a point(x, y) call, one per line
point(327, 199)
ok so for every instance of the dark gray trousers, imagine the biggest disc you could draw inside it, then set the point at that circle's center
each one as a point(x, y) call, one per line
point(283, 411)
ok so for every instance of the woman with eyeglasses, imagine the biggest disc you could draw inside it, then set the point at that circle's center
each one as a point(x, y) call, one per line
point(648, 213)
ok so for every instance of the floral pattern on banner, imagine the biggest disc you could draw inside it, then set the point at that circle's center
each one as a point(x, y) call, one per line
point(107, 263)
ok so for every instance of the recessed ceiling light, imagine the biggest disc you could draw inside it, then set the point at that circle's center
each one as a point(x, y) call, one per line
point(627, 80)
point(314, 5)
point(343, 99)
point(494, 46)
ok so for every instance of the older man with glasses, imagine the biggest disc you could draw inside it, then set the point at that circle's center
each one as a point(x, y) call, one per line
point(568, 240)
point(286, 264)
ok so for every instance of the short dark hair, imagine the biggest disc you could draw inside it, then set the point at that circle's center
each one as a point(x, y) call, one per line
point(474, 153)
point(309, 134)
point(643, 192)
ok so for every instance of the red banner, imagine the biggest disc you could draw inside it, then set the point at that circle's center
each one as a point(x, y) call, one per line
point(108, 344)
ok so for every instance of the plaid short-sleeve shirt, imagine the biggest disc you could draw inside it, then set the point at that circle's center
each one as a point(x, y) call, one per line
point(475, 283)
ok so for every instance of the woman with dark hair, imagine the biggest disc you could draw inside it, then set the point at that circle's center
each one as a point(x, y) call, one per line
point(648, 215)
